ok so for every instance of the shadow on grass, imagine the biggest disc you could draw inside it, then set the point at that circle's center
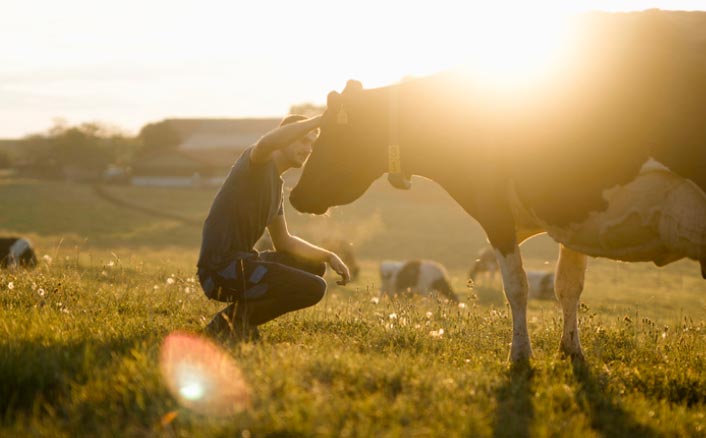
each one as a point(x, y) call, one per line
point(32, 373)
point(607, 416)
point(514, 411)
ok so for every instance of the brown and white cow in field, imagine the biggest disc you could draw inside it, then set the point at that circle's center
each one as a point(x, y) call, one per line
point(423, 277)
point(607, 155)
point(16, 251)
point(485, 264)
point(540, 284)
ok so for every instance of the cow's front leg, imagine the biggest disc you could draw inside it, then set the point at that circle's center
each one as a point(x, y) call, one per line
point(515, 282)
point(568, 284)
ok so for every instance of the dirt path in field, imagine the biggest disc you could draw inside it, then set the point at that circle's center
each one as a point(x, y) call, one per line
point(102, 193)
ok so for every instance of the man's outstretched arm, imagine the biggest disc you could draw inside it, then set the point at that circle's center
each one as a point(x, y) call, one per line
point(285, 242)
point(281, 137)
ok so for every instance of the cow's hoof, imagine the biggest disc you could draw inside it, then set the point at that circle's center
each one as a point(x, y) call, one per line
point(572, 353)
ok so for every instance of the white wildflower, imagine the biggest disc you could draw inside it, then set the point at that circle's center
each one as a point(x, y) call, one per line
point(110, 264)
point(436, 333)
point(429, 314)
point(170, 280)
point(40, 291)
point(461, 305)
point(393, 316)
point(375, 300)
point(11, 285)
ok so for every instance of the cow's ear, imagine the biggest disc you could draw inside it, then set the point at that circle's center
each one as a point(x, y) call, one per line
point(333, 100)
point(352, 85)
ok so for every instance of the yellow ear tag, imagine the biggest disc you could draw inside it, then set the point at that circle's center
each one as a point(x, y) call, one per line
point(342, 117)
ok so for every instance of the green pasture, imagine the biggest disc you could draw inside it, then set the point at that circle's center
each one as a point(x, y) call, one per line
point(80, 335)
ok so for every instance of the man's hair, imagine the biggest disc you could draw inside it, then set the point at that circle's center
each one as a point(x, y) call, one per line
point(291, 118)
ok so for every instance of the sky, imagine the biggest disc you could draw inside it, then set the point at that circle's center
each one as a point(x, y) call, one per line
point(131, 62)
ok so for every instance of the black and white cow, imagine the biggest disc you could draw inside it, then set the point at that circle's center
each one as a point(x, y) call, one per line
point(423, 277)
point(607, 155)
point(16, 251)
point(485, 264)
point(540, 284)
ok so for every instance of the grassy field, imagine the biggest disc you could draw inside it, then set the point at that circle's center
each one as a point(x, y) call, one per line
point(80, 335)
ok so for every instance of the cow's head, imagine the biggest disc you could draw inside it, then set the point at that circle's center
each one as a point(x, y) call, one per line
point(350, 153)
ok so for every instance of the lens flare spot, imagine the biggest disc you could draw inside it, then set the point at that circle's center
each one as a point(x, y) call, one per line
point(201, 376)
point(192, 390)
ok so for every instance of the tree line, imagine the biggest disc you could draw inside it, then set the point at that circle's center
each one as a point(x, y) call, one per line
point(87, 150)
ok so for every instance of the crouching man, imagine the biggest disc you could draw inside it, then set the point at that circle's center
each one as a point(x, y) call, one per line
point(261, 286)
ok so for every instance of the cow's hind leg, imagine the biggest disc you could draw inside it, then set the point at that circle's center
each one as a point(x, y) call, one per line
point(515, 282)
point(570, 272)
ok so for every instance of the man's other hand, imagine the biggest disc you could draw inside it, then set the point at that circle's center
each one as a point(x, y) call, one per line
point(341, 269)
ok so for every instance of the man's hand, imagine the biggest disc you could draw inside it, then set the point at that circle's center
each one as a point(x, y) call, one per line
point(281, 137)
point(341, 269)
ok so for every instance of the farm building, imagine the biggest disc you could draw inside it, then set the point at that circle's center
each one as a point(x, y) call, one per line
point(207, 150)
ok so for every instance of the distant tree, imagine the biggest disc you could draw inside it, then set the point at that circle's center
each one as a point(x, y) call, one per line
point(85, 149)
point(159, 136)
point(5, 160)
point(307, 109)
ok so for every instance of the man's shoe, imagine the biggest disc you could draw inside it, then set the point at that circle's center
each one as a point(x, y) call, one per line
point(221, 327)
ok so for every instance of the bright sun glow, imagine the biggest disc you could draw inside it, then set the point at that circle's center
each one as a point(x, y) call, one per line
point(256, 59)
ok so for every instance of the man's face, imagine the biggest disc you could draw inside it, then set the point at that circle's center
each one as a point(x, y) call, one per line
point(299, 151)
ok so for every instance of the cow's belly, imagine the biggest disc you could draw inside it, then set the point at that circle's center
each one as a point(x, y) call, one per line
point(659, 217)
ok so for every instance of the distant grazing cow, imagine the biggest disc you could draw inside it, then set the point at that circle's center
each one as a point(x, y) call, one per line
point(416, 276)
point(485, 263)
point(540, 285)
point(606, 153)
point(16, 251)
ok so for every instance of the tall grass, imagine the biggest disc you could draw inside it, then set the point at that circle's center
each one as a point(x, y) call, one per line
point(80, 338)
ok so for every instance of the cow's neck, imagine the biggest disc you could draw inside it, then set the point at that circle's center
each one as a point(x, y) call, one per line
point(406, 153)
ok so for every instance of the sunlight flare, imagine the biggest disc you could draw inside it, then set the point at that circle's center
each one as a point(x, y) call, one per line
point(201, 376)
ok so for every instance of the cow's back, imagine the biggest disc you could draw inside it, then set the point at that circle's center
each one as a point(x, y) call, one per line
point(635, 89)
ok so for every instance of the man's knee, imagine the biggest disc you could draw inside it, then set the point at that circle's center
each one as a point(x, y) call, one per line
point(316, 291)
point(319, 269)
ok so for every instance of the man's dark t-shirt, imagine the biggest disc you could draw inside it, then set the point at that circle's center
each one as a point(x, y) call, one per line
point(250, 198)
